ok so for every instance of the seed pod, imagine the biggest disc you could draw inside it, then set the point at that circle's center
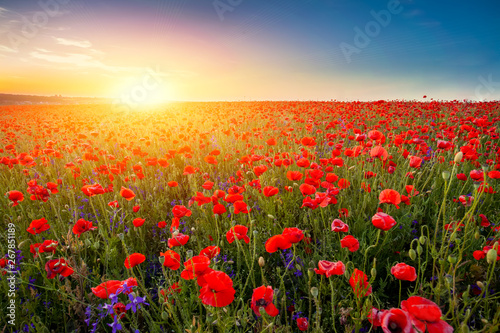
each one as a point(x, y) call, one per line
point(262, 262)
point(452, 259)
point(445, 174)
point(491, 256)
point(413, 254)
point(310, 272)
point(314, 292)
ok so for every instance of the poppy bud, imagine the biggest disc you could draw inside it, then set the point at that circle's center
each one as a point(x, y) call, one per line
point(422, 240)
point(314, 292)
point(164, 315)
point(373, 272)
point(270, 216)
point(491, 256)
point(458, 157)
point(161, 259)
point(452, 259)
point(464, 328)
point(310, 272)
point(480, 284)
point(412, 254)
point(476, 235)
point(445, 174)
point(262, 262)
point(419, 249)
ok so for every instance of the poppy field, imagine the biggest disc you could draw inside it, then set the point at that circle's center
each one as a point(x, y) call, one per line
point(251, 217)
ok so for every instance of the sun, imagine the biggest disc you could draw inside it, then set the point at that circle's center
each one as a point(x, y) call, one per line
point(141, 92)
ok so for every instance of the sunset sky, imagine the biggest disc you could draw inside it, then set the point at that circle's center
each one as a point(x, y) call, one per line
point(206, 50)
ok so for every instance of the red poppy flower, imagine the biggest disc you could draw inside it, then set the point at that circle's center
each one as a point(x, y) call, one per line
point(390, 196)
point(350, 242)
point(270, 191)
point(15, 196)
point(375, 317)
point(425, 314)
point(396, 320)
point(344, 183)
point(180, 211)
point(57, 266)
point(302, 324)
point(383, 221)
point(114, 204)
point(462, 177)
point(308, 141)
point(178, 240)
point(218, 289)
point(238, 231)
point(105, 289)
point(415, 162)
point(119, 310)
point(210, 159)
point(379, 152)
point(172, 259)
point(477, 175)
point(241, 207)
point(210, 251)
point(136, 208)
point(404, 272)
point(278, 242)
point(137, 222)
point(162, 224)
point(208, 185)
point(188, 170)
point(52, 187)
point(172, 183)
point(134, 260)
point(263, 297)
point(38, 226)
point(259, 170)
point(293, 235)
point(48, 246)
point(339, 226)
point(219, 209)
point(127, 194)
point(494, 174)
point(194, 267)
point(307, 189)
point(359, 283)
point(329, 268)
point(294, 175)
point(478, 255)
point(484, 220)
point(82, 226)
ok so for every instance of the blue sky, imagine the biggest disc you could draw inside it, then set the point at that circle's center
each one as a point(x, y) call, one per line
point(259, 49)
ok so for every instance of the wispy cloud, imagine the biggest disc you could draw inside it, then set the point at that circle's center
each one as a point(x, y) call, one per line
point(73, 42)
point(79, 60)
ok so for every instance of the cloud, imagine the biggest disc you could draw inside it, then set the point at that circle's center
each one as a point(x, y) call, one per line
point(4, 48)
point(72, 42)
point(79, 60)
